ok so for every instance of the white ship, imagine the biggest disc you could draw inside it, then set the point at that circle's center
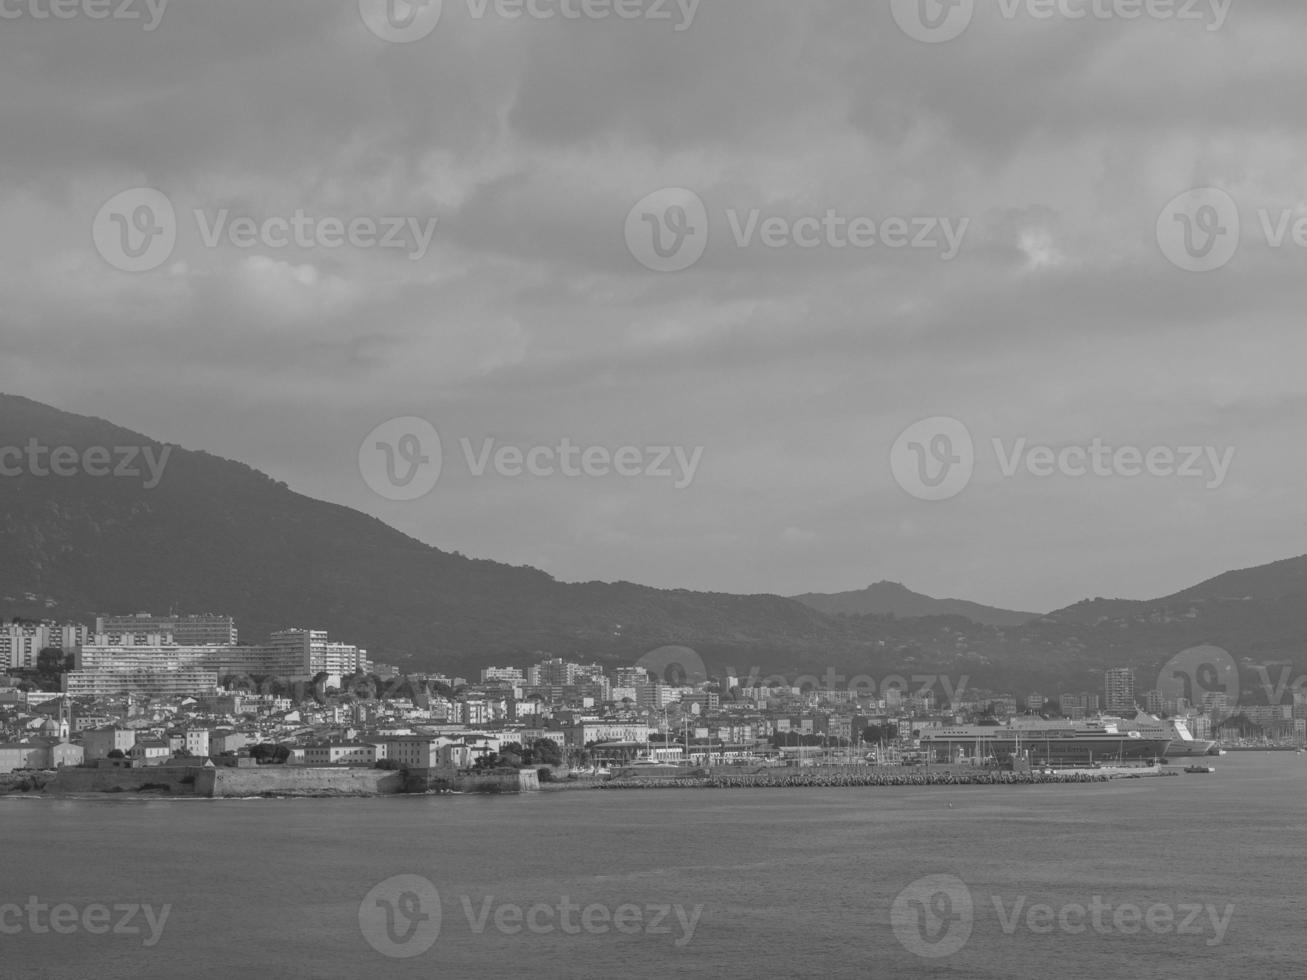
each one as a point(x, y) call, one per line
point(1183, 744)
point(1041, 741)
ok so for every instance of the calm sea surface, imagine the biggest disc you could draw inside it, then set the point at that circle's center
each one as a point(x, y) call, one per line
point(791, 883)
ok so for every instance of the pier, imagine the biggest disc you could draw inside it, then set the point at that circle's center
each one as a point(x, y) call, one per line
point(838, 778)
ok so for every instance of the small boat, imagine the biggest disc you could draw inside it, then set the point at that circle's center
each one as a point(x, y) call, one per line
point(1199, 769)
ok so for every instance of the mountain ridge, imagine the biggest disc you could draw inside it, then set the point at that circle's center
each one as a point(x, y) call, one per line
point(896, 599)
point(216, 534)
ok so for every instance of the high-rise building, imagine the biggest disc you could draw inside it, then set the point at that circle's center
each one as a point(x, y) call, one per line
point(21, 643)
point(294, 654)
point(315, 653)
point(555, 670)
point(196, 630)
point(513, 675)
point(174, 682)
point(1119, 689)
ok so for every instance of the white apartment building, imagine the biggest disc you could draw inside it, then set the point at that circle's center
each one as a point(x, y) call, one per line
point(585, 732)
point(22, 643)
point(295, 654)
point(202, 630)
point(315, 653)
point(162, 683)
point(512, 675)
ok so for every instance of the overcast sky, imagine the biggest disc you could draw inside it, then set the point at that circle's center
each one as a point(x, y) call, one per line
point(1064, 308)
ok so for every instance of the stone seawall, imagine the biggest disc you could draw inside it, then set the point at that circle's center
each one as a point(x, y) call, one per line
point(173, 780)
point(225, 783)
point(452, 781)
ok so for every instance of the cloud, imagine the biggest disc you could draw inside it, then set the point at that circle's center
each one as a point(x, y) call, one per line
point(528, 319)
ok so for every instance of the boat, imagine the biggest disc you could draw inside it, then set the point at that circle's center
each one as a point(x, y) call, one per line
point(1183, 744)
point(1042, 741)
point(1198, 768)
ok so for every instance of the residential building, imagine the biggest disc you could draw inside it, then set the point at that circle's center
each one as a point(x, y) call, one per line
point(99, 742)
point(343, 754)
point(513, 675)
point(587, 731)
point(207, 629)
point(21, 643)
point(151, 683)
point(150, 752)
point(413, 751)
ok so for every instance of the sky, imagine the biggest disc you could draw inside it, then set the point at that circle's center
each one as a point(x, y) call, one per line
point(999, 300)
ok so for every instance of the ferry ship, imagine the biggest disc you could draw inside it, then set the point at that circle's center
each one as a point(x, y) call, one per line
point(1043, 741)
point(1183, 744)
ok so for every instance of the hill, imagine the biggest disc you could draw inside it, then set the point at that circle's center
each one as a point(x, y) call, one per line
point(216, 535)
point(895, 599)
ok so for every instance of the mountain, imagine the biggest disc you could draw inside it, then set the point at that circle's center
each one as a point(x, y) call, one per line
point(216, 535)
point(895, 599)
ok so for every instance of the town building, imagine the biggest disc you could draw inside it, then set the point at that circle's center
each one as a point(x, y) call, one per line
point(1119, 689)
point(206, 629)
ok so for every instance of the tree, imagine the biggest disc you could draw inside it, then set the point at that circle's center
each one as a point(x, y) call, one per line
point(547, 752)
point(117, 754)
point(269, 753)
point(51, 665)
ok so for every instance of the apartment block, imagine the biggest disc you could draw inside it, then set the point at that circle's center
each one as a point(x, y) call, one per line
point(197, 630)
point(21, 643)
point(1119, 689)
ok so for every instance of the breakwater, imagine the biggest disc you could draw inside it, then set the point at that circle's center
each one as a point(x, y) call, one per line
point(832, 779)
point(226, 782)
